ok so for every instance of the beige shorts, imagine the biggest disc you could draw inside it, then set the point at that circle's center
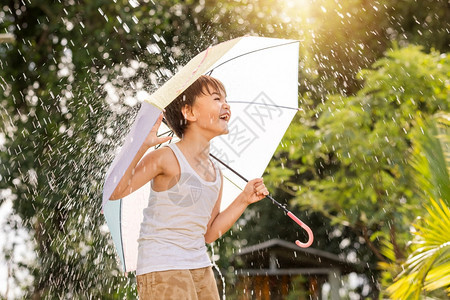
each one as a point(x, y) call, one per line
point(178, 284)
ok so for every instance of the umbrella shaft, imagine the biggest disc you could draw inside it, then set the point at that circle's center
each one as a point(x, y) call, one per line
point(229, 168)
point(278, 203)
point(291, 215)
point(246, 180)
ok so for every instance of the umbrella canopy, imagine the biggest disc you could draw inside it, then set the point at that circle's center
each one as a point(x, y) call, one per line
point(260, 76)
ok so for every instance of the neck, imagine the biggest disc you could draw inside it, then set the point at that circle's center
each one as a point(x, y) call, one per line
point(196, 145)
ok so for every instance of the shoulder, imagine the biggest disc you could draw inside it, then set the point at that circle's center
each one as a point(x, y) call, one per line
point(164, 152)
point(161, 155)
point(163, 158)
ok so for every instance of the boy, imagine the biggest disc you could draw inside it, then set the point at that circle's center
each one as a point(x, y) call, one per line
point(184, 204)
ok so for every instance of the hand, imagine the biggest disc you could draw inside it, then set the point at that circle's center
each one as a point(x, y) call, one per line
point(255, 190)
point(152, 138)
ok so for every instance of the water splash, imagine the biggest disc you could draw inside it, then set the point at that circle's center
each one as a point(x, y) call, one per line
point(218, 271)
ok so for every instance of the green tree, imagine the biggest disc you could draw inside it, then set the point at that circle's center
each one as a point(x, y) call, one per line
point(349, 162)
point(68, 90)
point(427, 268)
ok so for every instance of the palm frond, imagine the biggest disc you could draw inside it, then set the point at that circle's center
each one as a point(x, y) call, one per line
point(428, 267)
point(431, 157)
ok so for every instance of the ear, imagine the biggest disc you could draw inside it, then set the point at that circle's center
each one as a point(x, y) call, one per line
point(188, 113)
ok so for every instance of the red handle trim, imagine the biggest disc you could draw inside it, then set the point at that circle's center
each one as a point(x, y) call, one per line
point(306, 228)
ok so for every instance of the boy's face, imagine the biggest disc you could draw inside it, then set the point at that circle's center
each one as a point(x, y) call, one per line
point(212, 112)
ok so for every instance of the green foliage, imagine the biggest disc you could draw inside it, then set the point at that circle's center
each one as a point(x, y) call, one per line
point(298, 290)
point(65, 90)
point(349, 154)
point(420, 23)
point(431, 158)
point(428, 266)
point(68, 91)
point(66, 85)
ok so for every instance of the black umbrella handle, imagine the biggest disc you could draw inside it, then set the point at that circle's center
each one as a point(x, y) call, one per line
point(283, 207)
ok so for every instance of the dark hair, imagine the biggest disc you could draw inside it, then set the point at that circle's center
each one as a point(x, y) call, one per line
point(205, 85)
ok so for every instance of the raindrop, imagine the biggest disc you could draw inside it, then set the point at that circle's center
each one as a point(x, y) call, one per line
point(126, 28)
point(153, 49)
point(130, 101)
point(134, 3)
point(99, 138)
point(103, 14)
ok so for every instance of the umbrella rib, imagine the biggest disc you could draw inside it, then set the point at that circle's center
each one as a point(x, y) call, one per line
point(264, 104)
point(229, 179)
point(257, 50)
point(164, 133)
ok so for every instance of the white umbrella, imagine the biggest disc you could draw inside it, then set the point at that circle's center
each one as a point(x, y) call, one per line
point(260, 76)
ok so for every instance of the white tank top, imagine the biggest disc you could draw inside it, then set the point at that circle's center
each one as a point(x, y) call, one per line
point(175, 222)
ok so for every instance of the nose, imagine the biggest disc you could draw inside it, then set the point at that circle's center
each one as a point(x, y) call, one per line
point(226, 106)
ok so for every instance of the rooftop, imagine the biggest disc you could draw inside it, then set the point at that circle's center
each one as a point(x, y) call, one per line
point(276, 257)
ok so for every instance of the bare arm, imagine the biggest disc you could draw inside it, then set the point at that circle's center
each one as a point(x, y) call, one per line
point(221, 222)
point(141, 171)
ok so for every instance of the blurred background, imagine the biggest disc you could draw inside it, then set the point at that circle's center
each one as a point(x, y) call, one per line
point(365, 162)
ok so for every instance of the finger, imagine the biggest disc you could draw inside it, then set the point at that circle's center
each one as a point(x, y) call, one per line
point(165, 139)
point(262, 190)
point(259, 186)
point(257, 181)
point(157, 123)
point(159, 120)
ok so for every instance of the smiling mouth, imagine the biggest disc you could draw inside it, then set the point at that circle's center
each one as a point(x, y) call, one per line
point(225, 117)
